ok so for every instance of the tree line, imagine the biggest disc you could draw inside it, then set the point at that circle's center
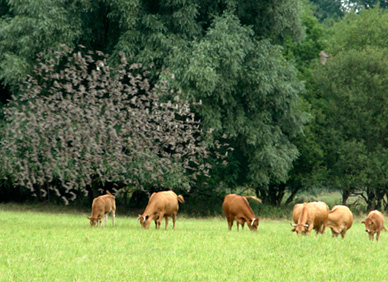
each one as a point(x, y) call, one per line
point(208, 97)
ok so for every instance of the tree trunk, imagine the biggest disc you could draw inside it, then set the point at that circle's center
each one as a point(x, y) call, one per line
point(345, 196)
point(294, 191)
point(371, 200)
point(277, 193)
point(272, 194)
point(261, 193)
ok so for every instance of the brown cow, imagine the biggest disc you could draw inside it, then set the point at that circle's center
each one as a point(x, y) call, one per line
point(374, 223)
point(161, 204)
point(340, 220)
point(101, 206)
point(237, 208)
point(313, 215)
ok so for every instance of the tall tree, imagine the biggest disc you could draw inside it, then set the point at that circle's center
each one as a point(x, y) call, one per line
point(353, 91)
point(249, 93)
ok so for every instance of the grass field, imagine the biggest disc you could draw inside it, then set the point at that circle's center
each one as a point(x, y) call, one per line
point(38, 246)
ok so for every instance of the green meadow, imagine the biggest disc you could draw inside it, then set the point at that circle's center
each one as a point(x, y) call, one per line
point(38, 246)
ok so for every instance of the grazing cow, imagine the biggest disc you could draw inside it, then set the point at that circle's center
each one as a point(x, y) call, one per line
point(101, 206)
point(161, 204)
point(312, 215)
point(237, 208)
point(340, 220)
point(374, 223)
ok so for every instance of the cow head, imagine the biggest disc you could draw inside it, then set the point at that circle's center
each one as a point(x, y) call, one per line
point(144, 220)
point(370, 226)
point(253, 224)
point(300, 229)
point(93, 220)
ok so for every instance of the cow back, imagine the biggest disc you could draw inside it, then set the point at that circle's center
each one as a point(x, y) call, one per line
point(315, 213)
point(104, 204)
point(237, 206)
point(340, 216)
point(165, 201)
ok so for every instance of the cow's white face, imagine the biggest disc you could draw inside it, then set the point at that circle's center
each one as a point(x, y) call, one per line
point(301, 229)
point(145, 221)
point(370, 226)
point(253, 224)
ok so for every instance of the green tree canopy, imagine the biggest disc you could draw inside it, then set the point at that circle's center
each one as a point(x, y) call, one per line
point(353, 90)
point(226, 54)
point(359, 30)
point(30, 27)
point(250, 93)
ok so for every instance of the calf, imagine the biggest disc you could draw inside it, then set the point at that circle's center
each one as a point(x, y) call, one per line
point(161, 204)
point(374, 224)
point(312, 215)
point(236, 207)
point(340, 220)
point(101, 206)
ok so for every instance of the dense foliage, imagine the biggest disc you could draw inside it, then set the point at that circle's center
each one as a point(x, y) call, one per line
point(247, 73)
point(352, 94)
point(84, 123)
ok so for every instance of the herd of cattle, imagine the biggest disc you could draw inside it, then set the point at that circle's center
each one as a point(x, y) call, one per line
point(306, 216)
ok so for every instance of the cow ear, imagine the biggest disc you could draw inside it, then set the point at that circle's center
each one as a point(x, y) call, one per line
point(88, 217)
point(362, 222)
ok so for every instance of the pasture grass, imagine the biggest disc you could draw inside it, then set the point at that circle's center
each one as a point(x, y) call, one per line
point(38, 246)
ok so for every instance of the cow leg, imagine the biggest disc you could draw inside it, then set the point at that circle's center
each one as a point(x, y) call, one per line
point(240, 221)
point(378, 236)
point(173, 220)
point(113, 217)
point(160, 218)
point(156, 224)
point(323, 228)
point(230, 223)
point(105, 219)
point(166, 222)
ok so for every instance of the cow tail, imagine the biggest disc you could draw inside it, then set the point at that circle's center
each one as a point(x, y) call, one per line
point(180, 199)
point(253, 198)
point(108, 193)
